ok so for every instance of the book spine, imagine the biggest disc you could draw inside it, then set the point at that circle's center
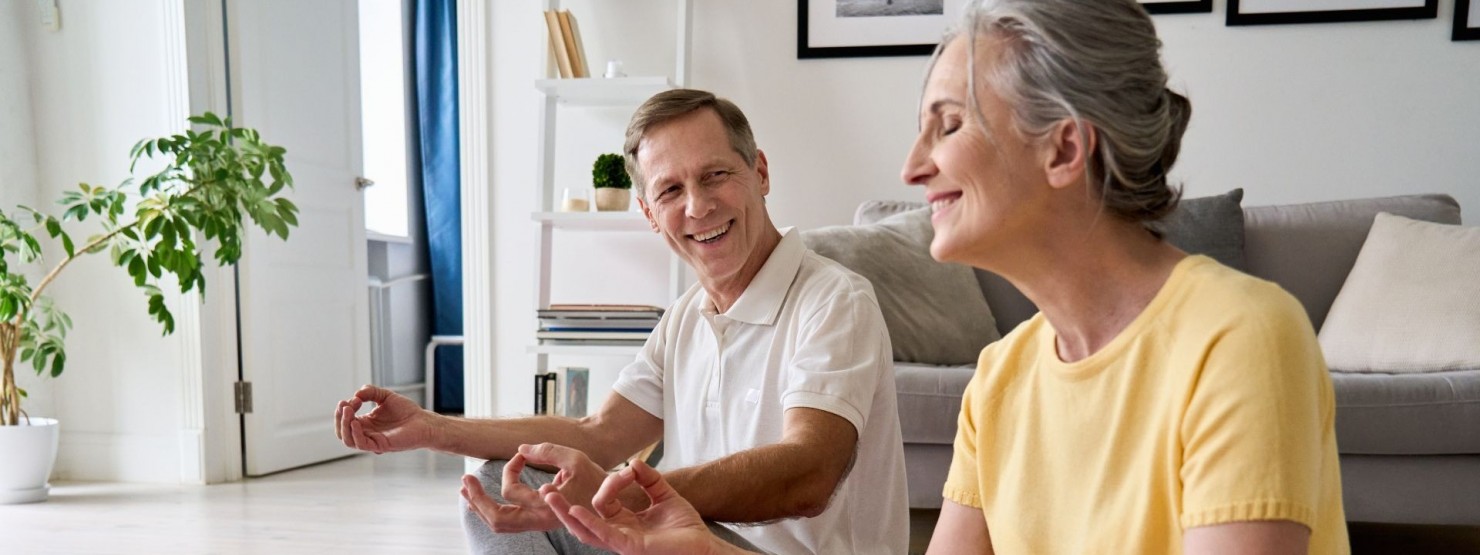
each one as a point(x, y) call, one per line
point(551, 391)
point(567, 35)
point(557, 44)
point(579, 48)
point(539, 394)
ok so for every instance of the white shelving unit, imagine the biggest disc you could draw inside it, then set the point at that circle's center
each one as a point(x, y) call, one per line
point(596, 92)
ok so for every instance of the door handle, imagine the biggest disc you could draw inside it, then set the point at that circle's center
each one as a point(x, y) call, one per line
point(362, 183)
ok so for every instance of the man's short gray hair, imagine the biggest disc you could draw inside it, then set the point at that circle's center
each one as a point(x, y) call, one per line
point(673, 104)
point(1095, 62)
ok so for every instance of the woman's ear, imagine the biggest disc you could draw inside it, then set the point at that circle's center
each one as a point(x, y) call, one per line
point(1067, 151)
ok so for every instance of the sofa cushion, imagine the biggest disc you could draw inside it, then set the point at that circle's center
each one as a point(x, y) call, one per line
point(1408, 414)
point(1206, 225)
point(1411, 302)
point(930, 401)
point(1213, 226)
point(1308, 249)
point(935, 312)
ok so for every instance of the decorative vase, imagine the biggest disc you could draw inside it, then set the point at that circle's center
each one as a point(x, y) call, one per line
point(27, 453)
point(612, 199)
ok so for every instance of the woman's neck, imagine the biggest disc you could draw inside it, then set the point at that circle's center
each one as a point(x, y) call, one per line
point(1092, 283)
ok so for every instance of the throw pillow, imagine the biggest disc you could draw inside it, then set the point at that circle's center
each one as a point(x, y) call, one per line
point(1213, 226)
point(1411, 303)
point(935, 312)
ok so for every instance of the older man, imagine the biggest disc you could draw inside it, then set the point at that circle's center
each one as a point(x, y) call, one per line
point(769, 381)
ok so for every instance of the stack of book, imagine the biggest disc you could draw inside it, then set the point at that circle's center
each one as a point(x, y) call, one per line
point(565, 44)
point(597, 324)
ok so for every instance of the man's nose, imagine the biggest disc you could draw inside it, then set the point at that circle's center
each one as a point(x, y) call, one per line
point(701, 203)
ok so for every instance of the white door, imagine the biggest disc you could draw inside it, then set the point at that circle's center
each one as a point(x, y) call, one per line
point(303, 303)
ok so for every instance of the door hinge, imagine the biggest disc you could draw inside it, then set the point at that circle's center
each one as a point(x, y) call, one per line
point(243, 397)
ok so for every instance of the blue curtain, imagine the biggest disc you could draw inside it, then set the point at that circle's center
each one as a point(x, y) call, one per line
point(435, 37)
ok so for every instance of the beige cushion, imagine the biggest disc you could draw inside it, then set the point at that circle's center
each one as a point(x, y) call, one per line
point(935, 312)
point(1411, 302)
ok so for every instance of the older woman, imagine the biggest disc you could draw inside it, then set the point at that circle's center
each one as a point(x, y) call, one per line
point(1159, 402)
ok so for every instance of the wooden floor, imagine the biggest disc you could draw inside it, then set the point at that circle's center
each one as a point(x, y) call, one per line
point(396, 503)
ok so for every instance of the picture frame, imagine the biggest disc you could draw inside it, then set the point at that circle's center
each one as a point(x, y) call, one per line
point(858, 28)
point(1157, 7)
point(1278, 12)
point(1466, 20)
point(875, 28)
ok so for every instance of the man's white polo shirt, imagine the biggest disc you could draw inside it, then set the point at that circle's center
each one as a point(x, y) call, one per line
point(807, 332)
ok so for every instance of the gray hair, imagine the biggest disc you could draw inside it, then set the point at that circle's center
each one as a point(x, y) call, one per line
point(676, 103)
point(1095, 62)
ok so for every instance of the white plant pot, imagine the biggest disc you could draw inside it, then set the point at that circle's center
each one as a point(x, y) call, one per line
point(612, 199)
point(27, 454)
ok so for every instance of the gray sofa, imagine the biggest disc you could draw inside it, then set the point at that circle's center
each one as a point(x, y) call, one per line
point(1409, 443)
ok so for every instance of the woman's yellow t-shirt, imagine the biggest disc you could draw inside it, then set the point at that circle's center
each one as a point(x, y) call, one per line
point(1212, 406)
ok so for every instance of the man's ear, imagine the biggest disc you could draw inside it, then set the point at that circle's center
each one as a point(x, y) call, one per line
point(764, 170)
point(647, 212)
point(1067, 151)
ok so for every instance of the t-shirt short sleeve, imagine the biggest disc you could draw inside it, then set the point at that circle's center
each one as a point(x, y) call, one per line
point(641, 381)
point(842, 355)
point(1252, 440)
point(963, 484)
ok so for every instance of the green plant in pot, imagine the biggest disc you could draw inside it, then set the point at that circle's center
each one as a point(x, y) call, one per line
point(213, 184)
point(613, 185)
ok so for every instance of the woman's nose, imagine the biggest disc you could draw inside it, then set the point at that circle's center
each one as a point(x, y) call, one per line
point(918, 166)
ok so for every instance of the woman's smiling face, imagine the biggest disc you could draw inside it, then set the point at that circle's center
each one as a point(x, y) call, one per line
point(981, 177)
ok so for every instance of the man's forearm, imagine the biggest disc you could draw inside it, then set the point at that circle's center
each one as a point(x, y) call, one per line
point(759, 485)
point(500, 438)
point(608, 437)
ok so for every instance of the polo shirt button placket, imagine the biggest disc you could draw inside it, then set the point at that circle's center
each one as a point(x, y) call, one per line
point(711, 397)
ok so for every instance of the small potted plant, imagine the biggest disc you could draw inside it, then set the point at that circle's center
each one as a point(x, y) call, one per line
point(212, 182)
point(613, 185)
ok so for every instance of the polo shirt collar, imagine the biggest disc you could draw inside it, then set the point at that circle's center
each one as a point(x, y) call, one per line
point(761, 302)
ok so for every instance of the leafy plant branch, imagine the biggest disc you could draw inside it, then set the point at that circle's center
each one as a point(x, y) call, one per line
point(212, 183)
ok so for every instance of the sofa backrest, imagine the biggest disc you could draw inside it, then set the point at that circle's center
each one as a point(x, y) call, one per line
point(1310, 248)
point(1306, 248)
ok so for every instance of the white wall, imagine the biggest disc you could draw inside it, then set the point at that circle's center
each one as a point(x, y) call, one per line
point(1290, 113)
point(18, 158)
point(97, 86)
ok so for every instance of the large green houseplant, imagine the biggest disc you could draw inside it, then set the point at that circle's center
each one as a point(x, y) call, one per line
point(212, 181)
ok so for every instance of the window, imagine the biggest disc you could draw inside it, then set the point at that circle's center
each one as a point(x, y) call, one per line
point(383, 117)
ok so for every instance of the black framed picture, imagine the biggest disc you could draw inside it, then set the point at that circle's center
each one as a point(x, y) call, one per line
point(866, 28)
point(1177, 6)
point(1466, 20)
point(1272, 12)
point(859, 28)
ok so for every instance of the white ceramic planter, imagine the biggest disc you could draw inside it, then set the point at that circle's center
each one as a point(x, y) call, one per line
point(612, 199)
point(27, 454)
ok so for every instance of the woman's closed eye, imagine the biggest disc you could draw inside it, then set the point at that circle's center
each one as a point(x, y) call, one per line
point(949, 125)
